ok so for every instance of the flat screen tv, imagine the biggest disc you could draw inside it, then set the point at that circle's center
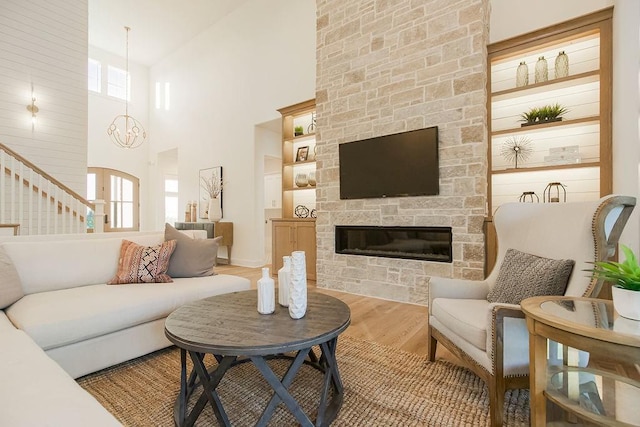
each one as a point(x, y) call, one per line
point(398, 165)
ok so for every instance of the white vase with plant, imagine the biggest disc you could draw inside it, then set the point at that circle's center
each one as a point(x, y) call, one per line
point(625, 278)
point(213, 187)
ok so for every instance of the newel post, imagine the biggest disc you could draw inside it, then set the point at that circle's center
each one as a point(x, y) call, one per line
point(98, 216)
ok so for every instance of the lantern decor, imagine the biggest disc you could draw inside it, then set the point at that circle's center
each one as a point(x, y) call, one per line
point(528, 196)
point(552, 192)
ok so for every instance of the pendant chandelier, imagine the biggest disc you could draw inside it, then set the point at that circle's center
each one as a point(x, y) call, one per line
point(125, 131)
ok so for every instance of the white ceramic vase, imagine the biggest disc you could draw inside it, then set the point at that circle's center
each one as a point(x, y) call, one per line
point(284, 281)
point(542, 70)
point(626, 302)
point(522, 75)
point(562, 65)
point(215, 210)
point(298, 286)
point(266, 293)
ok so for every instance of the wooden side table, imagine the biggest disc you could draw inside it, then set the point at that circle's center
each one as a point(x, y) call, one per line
point(604, 391)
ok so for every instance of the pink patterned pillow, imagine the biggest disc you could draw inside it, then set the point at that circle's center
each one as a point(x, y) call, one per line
point(143, 264)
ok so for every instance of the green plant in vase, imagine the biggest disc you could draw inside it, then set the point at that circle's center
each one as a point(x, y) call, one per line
point(544, 114)
point(625, 279)
point(530, 117)
point(298, 130)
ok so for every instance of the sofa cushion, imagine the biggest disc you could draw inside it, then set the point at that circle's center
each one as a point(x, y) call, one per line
point(143, 264)
point(10, 286)
point(467, 318)
point(61, 264)
point(192, 257)
point(66, 316)
point(37, 392)
point(5, 323)
point(524, 275)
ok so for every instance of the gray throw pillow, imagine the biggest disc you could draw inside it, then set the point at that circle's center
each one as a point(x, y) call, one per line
point(10, 285)
point(523, 275)
point(192, 257)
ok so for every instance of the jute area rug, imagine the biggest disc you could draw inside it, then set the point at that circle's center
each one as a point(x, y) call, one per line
point(383, 387)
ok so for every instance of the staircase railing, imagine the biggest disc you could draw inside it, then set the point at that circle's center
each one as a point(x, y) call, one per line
point(36, 201)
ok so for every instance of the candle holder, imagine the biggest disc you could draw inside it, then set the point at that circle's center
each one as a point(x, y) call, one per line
point(552, 193)
point(527, 197)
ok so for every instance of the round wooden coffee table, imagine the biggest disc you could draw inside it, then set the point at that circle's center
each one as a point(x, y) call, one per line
point(230, 328)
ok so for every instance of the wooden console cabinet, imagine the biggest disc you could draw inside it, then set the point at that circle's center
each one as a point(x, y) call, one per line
point(290, 235)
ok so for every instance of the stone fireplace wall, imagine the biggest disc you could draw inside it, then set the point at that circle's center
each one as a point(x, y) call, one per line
point(388, 66)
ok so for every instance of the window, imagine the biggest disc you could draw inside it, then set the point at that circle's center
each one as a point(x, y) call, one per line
point(117, 83)
point(95, 75)
point(158, 94)
point(167, 96)
point(170, 200)
point(120, 191)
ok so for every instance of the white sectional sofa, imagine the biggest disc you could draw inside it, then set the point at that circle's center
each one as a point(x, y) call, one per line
point(70, 322)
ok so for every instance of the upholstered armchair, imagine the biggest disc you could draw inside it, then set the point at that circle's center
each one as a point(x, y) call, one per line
point(491, 337)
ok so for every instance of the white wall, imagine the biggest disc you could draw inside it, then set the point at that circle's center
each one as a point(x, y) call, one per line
point(224, 82)
point(43, 43)
point(510, 18)
point(102, 110)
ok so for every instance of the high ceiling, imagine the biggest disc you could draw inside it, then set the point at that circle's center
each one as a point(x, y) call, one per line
point(158, 27)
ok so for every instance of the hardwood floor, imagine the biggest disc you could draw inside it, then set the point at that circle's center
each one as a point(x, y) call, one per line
point(389, 323)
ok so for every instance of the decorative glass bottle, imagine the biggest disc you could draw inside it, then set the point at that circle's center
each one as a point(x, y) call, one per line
point(562, 65)
point(522, 75)
point(542, 70)
point(298, 286)
point(284, 281)
point(266, 293)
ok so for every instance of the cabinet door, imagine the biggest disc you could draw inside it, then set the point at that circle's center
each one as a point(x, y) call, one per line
point(283, 243)
point(306, 241)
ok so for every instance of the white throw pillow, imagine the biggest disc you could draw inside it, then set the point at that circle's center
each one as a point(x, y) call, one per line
point(10, 286)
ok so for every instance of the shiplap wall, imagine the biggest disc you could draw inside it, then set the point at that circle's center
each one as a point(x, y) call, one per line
point(43, 45)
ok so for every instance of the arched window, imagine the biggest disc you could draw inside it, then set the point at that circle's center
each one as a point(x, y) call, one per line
point(121, 193)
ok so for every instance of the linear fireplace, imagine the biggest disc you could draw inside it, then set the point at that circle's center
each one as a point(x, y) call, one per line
point(422, 243)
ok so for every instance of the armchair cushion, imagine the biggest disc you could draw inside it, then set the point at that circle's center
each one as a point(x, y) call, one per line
point(467, 318)
point(524, 275)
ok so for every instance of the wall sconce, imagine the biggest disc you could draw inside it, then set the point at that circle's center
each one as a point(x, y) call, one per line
point(33, 109)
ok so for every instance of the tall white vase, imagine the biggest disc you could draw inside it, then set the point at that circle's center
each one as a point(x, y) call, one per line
point(284, 281)
point(298, 287)
point(266, 293)
point(215, 210)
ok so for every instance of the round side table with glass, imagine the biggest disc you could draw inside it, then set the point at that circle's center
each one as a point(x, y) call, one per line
point(585, 359)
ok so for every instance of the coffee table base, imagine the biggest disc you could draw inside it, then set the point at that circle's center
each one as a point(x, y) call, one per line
point(200, 376)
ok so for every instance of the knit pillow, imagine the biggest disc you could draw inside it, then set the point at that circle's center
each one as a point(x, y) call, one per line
point(523, 275)
point(143, 264)
point(192, 257)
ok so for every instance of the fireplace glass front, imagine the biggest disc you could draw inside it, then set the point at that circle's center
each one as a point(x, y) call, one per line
point(422, 243)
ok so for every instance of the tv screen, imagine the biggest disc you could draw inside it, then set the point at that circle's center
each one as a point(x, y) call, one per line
point(403, 164)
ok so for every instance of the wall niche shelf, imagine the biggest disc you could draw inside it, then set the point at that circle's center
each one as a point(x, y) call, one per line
point(291, 233)
point(575, 151)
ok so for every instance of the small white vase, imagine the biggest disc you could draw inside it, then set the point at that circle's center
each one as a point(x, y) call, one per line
point(562, 65)
point(626, 302)
point(215, 210)
point(266, 293)
point(522, 75)
point(298, 286)
point(284, 281)
point(542, 70)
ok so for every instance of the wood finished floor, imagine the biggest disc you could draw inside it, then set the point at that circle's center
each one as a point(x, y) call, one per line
point(389, 323)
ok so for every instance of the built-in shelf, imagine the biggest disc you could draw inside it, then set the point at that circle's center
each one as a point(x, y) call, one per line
point(547, 168)
point(535, 88)
point(305, 162)
point(542, 126)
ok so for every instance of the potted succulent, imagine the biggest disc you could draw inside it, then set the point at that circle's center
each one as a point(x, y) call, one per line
point(545, 114)
point(298, 130)
point(625, 278)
